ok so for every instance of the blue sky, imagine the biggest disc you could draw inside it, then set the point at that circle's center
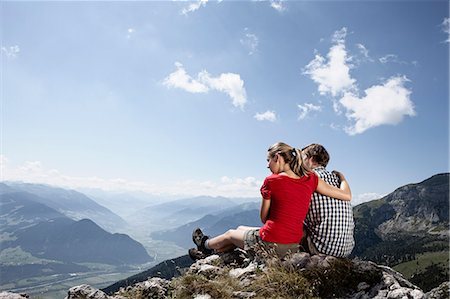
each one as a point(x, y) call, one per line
point(185, 97)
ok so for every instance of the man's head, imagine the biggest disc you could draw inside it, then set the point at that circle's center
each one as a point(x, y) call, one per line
point(315, 155)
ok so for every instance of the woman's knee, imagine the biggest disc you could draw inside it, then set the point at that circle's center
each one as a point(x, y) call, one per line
point(230, 233)
point(236, 237)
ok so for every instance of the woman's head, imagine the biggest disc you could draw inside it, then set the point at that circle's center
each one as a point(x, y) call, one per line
point(290, 155)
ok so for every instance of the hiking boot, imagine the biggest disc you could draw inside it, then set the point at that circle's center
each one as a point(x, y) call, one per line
point(196, 254)
point(199, 239)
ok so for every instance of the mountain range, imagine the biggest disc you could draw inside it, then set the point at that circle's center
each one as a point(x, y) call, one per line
point(414, 211)
point(38, 238)
point(407, 227)
point(213, 224)
point(405, 230)
point(71, 203)
point(172, 214)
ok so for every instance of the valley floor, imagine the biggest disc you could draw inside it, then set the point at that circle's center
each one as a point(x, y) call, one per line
point(56, 286)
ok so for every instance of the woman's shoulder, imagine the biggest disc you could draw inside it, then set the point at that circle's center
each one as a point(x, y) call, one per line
point(271, 177)
point(310, 177)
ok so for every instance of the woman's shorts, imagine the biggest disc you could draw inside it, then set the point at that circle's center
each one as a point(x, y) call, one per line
point(253, 242)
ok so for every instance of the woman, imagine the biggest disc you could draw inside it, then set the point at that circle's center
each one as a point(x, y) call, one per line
point(285, 201)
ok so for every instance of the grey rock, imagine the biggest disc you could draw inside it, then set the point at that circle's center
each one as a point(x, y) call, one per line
point(363, 286)
point(208, 267)
point(9, 295)
point(394, 286)
point(416, 294)
point(244, 295)
point(440, 292)
point(239, 272)
point(298, 260)
point(154, 288)
point(209, 271)
point(85, 291)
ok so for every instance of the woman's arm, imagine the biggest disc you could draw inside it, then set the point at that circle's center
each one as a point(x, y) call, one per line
point(343, 193)
point(265, 206)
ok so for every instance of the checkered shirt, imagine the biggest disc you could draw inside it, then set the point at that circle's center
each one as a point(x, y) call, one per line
point(329, 222)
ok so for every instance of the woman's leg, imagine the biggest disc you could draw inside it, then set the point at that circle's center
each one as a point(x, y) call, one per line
point(228, 241)
point(246, 228)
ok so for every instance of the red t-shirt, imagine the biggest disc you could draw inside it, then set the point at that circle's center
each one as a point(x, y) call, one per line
point(288, 208)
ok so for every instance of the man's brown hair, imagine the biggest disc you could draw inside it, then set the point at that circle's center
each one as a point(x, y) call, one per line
point(318, 153)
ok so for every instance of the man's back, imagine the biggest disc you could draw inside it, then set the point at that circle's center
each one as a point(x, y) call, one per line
point(329, 222)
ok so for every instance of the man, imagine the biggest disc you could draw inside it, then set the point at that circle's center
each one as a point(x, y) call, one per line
point(329, 223)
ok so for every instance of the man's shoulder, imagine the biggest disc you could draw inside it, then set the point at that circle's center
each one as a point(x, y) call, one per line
point(327, 176)
point(322, 172)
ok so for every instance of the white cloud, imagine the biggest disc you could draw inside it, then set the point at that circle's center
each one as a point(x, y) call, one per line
point(180, 79)
point(332, 74)
point(363, 50)
point(446, 28)
point(250, 41)
point(11, 52)
point(391, 58)
point(228, 83)
point(231, 84)
point(130, 32)
point(307, 108)
point(365, 197)
point(35, 172)
point(381, 105)
point(335, 127)
point(194, 6)
point(32, 166)
point(278, 5)
point(268, 116)
point(340, 35)
point(387, 58)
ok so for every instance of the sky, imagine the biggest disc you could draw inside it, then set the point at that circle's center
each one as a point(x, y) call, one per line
point(184, 98)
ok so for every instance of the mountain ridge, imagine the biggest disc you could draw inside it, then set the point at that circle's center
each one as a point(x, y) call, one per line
point(69, 202)
point(39, 241)
point(212, 224)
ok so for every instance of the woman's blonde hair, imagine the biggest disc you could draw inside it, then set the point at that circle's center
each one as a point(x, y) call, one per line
point(291, 155)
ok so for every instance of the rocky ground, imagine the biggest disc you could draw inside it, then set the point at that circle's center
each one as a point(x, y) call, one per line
point(236, 275)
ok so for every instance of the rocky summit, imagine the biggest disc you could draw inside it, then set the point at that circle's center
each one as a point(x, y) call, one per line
point(236, 275)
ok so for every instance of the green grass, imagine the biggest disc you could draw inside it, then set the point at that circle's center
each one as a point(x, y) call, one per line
point(422, 261)
point(16, 256)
